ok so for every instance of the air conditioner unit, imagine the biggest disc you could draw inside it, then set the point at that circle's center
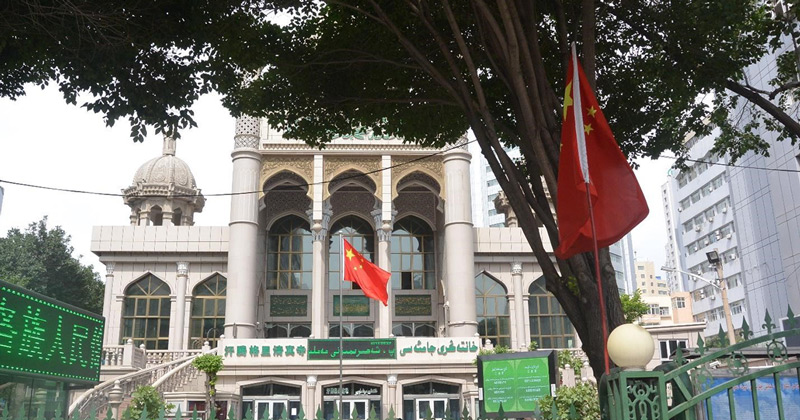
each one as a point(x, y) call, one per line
point(695, 248)
point(680, 209)
point(729, 236)
point(713, 297)
point(710, 219)
point(733, 256)
point(711, 188)
point(697, 228)
point(724, 209)
point(706, 241)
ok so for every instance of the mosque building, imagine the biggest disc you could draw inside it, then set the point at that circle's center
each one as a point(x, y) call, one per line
point(264, 290)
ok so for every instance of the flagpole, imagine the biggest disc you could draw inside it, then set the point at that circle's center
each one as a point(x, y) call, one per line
point(341, 325)
point(584, 163)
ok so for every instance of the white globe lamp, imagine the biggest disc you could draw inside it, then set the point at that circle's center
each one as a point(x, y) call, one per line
point(630, 347)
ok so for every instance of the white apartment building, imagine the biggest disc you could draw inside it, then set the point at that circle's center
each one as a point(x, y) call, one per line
point(700, 218)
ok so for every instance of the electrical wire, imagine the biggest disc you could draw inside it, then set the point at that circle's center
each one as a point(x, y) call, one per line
point(306, 184)
point(733, 165)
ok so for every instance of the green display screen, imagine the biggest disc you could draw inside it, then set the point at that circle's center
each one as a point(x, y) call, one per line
point(516, 380)
point(43, 337)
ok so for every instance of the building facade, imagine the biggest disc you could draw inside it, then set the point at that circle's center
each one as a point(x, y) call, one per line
point(647, 282)
point(700, 218)
point(265, 290)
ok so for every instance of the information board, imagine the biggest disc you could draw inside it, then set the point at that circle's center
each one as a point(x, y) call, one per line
point(354, 349)
point(43, 337)
point(516, 380)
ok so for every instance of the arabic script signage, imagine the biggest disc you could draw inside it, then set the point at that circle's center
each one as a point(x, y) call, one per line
point(352, 305)
point(412, 305)
point(288, 305)
point(516, 381)
point(354, 349)
point(442, 349)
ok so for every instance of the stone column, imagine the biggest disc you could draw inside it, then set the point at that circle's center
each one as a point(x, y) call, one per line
point(519, 312)
point(391, 398)
point(180, 305)
point(109, 291)
point(384, 230)
point(459, 258)
point(310, 406)
point(319, 234)
point(242, 299)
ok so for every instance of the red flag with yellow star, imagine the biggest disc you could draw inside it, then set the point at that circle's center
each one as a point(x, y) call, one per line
point(371, 278)
point(591, 157)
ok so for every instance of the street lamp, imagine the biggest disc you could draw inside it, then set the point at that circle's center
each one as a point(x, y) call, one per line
point(720, 284)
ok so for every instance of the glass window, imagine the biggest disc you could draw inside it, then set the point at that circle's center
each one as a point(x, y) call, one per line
point(145, 317)
point(358, 233)
point(413, 255)
point(666, 348)
point(549, 325)
point(414, 329)
point(287, 330)
point(351, 329)
point(289, 254)
point(492, 311)
point(208, 311)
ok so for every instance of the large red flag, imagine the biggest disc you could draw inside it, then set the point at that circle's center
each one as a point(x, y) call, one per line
point(371, 278)
point(590, 156)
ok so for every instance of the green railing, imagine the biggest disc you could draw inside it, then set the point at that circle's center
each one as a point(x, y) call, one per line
point(695, 382)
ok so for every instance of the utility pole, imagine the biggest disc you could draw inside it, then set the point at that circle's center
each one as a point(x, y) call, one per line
point(715, 260)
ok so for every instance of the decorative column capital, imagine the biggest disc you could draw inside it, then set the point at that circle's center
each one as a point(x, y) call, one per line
point(248, 132)
point(516, 268)
point(311, 381)
point(319, 228)
point(110, 268)
point(391, 380)
point(183, 268)
point(383, 227)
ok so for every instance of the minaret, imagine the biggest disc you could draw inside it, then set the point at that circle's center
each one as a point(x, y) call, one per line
point(242, 295)
point(459, 258)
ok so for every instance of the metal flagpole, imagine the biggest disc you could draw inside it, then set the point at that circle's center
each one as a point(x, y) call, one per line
point(584, 164)
point(341, 327)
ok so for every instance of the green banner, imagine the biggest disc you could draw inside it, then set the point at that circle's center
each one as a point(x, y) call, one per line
point(352, 305)
point(517, 381)
point(288, 305)
point(412, 305)
point(354, 349)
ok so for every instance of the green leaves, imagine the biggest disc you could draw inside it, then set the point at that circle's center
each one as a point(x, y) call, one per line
point(40, 259)
point(633, 306)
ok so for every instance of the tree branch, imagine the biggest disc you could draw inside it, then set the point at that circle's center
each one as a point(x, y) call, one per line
point(763, 103)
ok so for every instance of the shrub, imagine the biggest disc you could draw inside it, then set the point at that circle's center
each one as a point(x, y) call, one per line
point(565, 357)
point(583, 396)
point(145, 397)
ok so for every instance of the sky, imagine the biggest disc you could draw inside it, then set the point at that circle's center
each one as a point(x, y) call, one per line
point(44, 141)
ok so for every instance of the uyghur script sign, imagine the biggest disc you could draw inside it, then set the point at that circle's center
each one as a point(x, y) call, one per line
point(374, 350)
point(43, 337)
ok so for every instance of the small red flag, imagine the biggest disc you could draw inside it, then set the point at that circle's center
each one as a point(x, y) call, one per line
point(371, 278)
point(590, 154)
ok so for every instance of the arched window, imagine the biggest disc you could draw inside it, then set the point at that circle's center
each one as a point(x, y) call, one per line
point(550, 327)
point(208, 311)
point(413, 255)
point(491, 308)
point(289, 254)
point(361, 235)
point(145, 313)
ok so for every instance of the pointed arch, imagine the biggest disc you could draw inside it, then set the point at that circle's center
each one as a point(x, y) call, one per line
point(491, 309)
point(549, 325)
point(289, 254)
point(208, 311)
point(145, 312)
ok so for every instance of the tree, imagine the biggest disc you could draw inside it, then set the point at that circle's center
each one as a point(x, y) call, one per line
point(428, 71)
point(210, 364)
point(40, 259)
point(145, 60)
point(633, 306)
point(145, 399)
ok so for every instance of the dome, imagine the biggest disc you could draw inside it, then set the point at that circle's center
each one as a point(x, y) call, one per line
point(165, 170)
point(164, 187)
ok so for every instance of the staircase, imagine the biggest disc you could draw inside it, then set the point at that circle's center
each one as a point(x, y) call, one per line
point(167, 371)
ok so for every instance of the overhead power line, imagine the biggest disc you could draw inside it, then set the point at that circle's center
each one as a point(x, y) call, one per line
point(306, 184)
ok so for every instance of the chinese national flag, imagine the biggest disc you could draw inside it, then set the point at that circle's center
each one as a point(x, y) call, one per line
point(371, 278)
point(590, 156)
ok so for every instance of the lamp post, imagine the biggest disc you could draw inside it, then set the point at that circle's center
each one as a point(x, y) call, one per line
point(720, 284)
